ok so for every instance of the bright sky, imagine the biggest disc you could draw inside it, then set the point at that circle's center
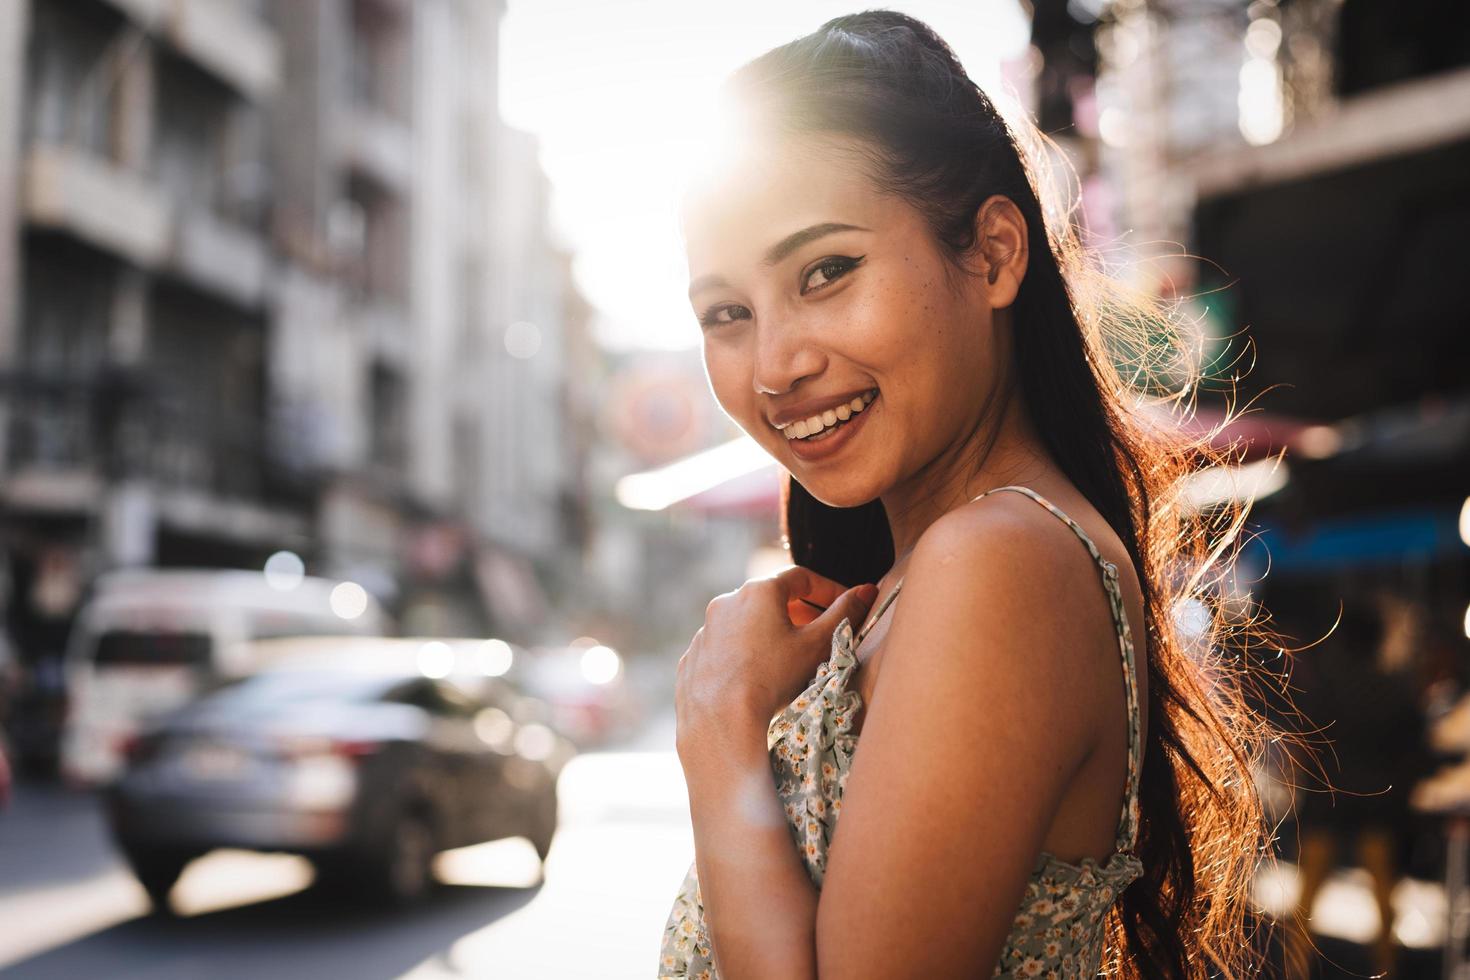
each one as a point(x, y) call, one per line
point(615, 90)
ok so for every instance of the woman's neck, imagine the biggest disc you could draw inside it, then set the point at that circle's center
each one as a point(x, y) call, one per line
point(1015, 456)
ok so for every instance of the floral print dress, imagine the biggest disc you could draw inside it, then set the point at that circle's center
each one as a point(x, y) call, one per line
point(1057, 931)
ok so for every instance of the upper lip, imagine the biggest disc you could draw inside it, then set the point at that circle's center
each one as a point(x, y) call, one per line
point(814, 406)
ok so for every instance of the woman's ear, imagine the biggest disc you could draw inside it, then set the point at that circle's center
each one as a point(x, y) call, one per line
point(1000, 249)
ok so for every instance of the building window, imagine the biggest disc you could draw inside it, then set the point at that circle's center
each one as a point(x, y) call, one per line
point(388, 439)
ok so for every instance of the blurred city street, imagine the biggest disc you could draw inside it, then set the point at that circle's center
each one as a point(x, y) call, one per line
point(71, 909)
point(361, 483)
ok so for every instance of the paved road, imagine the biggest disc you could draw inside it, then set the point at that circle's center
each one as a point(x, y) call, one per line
point(70, 909)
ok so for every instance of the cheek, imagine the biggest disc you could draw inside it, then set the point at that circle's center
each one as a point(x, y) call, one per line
point(905, 328)
point(924, 346)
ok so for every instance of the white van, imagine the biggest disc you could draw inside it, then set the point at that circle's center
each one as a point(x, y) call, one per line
point(150, 640)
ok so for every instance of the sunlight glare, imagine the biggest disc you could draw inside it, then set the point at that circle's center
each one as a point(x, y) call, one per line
point(622, 107)
point(667, 485)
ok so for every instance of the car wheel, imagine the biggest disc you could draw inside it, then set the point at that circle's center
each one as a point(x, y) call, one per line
point(157, 870)
point(337, 876)
point(402, 873)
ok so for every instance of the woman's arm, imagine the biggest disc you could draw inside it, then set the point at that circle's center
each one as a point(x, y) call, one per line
point(755, 652)
point(987, 707)
point(760, 905)
point(987, 713)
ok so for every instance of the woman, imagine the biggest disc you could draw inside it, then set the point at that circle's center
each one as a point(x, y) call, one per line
point(1047, 784)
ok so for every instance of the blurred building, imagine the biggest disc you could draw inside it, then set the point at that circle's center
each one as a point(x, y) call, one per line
point(685, 515)
point(1315, 156)
point(276, 276)
point(1340, 244)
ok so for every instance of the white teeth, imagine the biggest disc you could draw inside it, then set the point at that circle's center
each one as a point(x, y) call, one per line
point(829, 418)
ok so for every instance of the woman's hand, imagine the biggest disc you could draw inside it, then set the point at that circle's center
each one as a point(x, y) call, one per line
point(758, 648)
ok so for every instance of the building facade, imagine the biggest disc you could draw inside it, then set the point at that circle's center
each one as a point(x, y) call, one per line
point(275, 275)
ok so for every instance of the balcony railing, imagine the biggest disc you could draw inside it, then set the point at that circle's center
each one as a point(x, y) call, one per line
point(97, 201)
point(120, 426)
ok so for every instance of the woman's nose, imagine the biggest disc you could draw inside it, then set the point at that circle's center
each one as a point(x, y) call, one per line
point(782, 359)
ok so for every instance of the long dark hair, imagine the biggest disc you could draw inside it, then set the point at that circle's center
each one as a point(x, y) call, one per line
point(933, 138)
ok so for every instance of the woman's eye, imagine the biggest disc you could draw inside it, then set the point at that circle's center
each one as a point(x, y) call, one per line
point(711, 317)
point(821, 275)
point(829, 270)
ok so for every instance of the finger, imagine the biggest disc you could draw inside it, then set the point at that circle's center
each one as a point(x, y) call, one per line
point(803, 611)
point(855, 604)
point(800, 582)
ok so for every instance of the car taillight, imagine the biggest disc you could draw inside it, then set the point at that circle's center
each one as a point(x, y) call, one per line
point(297, 747)
point(136, 746)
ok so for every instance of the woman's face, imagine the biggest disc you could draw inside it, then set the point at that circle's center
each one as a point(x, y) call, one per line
point(814, 289)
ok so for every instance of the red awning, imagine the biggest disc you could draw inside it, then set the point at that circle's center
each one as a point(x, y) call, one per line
point(1259, 433)
point(753, 494)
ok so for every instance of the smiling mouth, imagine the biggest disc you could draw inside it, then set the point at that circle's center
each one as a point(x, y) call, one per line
point(821, 426)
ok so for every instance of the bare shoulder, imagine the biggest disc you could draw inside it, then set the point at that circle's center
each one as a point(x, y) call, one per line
point(1020, 586)
point(1005, 542)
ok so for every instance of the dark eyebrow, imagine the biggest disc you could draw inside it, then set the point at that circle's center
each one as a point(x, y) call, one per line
point(780, 250)
point(796, 240)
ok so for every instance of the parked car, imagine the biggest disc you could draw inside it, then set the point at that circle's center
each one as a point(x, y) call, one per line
point(150, 640)
point(353, 757)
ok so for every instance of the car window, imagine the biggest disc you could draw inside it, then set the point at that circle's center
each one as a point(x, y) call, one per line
point(433, 697)
point(130, 648)
point(287, 686)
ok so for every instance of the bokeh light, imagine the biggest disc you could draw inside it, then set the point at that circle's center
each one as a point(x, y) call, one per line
point(436, 659)
point(522, 340)
point(494, 658)
point(284, 570)
point(348, 600)
point(600, 664)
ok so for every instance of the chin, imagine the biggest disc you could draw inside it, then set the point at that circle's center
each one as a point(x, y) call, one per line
point(832, 489)
point(842, 496)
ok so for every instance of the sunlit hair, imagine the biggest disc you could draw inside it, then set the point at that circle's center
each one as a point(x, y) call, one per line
point(1109, 375)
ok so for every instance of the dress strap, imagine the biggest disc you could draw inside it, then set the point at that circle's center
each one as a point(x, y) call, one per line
point(1128, 823)
point(877, 614)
